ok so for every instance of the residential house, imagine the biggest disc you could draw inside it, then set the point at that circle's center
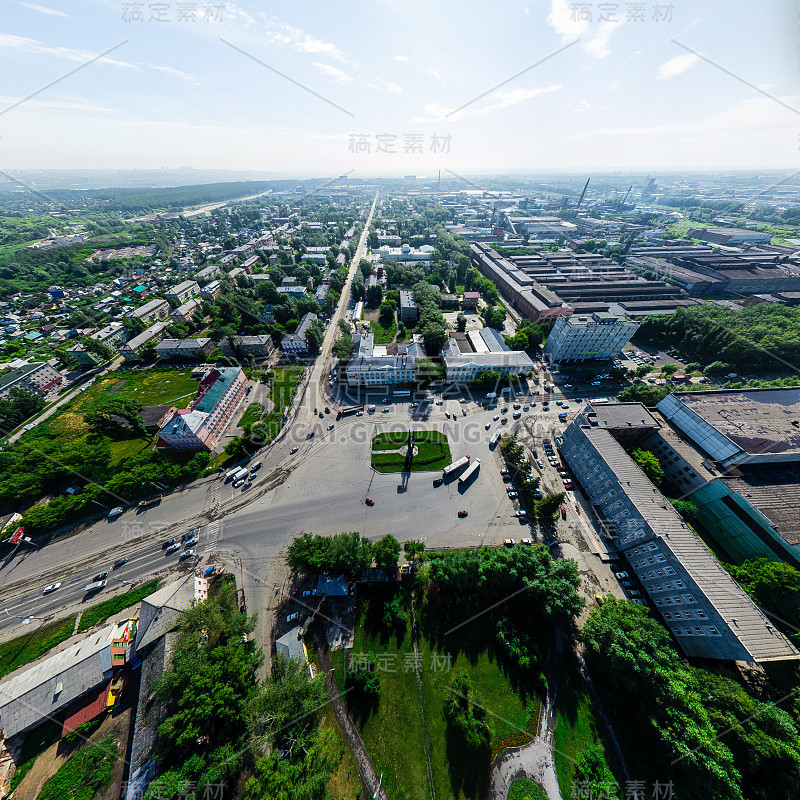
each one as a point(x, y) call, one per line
point(153, 311)
point(185, 349)
point(296, 342)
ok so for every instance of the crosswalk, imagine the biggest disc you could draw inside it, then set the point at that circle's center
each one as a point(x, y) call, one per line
point(212, 533)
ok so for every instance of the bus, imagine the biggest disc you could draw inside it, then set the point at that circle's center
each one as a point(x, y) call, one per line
point(455, 466)
point(402, 393)
point(495, 438)
point(469, 472)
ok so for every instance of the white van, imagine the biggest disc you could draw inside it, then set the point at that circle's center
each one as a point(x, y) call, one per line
point(370, 409)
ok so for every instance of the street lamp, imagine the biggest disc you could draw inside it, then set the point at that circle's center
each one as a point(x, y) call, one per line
point(25, 620)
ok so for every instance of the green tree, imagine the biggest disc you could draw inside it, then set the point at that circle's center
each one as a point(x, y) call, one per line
point(386, 552)
point(98, 348)
point(374, 295)
point(548, 506)
point(461, 323)
point(386, 315)
point(649, 464)
point(314, 336)
point(427, 370)
point(104, 418)
point(413, 548)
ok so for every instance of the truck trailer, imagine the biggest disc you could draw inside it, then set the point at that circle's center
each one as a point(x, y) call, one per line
point(455, 466)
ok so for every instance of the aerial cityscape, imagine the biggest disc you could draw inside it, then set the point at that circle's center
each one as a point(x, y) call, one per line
point(401, 403)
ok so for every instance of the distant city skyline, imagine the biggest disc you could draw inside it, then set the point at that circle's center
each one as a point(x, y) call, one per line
point(523, 86)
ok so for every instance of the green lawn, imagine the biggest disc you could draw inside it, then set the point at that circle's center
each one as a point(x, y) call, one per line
point(16, 652)
point(432, 446)
point(576, 728)
point(148, 387)
point(382, 334)
point(84, 775)
point(102, 611)
point(524, 789)
point(393, 730)
point(281, 391)
point(251, 415)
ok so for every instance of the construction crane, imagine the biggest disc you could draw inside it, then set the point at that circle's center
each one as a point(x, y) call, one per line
point(580, 199)
point(622, 203)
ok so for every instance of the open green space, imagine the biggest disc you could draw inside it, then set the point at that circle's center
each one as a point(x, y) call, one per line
point(383, 334)
point(84, 775)
point(524, 789)
point(102, 611)
point(28, 647)
point(576, 733)
point(388, 452)
point(252, 414)
point(393, 728)
point(149, 387)
point(283, 385)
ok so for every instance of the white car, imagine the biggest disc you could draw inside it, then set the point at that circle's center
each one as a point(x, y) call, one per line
point(51, 588)
point(496, 417)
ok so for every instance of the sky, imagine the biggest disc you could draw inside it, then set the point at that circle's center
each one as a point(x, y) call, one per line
point(375, 87)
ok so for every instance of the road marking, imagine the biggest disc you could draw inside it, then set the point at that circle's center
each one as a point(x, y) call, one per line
point(212, 531)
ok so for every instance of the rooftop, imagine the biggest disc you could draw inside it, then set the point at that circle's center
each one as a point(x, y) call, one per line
point(759, 421)
point(753, 630)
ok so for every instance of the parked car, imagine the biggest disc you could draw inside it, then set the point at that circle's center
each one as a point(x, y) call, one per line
point(438, 481)
point(621, 575)
point(563, 512)
point(369, 501)
point(508, 542)
point(100, 576)
point(293, 617)
point(51, 588)
point(293, 451)
point(331, 426)
point(526, 541)
point(168, 543)
point(504, 420)
point(512, 494)
point(186, 554)
point(463, 513)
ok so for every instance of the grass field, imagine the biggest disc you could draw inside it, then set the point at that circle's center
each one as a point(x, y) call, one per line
point(281, 391)
point(84, 775)
point(523, 789)
point(16, 652)
point(252, 414)
point(433, 452)
point(382, 334)
point(393, 730)
point(148, 387)
point(102, 611)
point(576, 728)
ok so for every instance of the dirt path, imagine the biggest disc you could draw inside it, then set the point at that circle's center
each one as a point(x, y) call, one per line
point(418, 672)
point(369, 777)
point(535, 759)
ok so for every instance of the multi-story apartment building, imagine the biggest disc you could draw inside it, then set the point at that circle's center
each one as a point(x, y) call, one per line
point(182, 292)
point(131, 349)
point(408, 306)
point(296, 342)
point(584, 337)
point(183, 313)
point(113, 335)
point(202, 425)
point(705, 609)
point(151, 312)
point(211, 290)
point(185, 349)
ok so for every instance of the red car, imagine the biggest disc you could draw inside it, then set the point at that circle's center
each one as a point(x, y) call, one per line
point(369, 501)
point(563, 512)
point(463, 513)
point(568, 485)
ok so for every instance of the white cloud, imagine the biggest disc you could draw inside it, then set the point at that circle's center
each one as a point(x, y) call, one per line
point(433, 73)
point(176, 73)
point(597, 46)
point(332, 72)
point(677, 65)
point(402, 58)
point(390, 87)
point(436, 112)
point(563, 20)
point(302, 42)
point(26, 45)
point(51, 12)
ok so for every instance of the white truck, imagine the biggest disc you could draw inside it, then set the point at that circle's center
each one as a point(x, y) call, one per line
point(95, 586)
point(469, 472)
point(456, 465)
